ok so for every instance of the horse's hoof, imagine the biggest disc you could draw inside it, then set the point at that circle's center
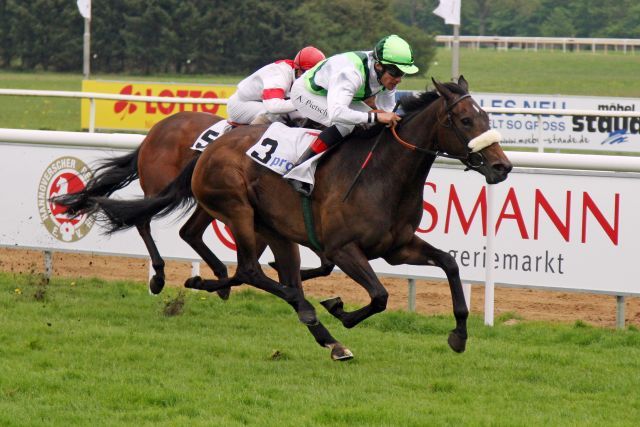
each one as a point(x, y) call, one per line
point(332, 304)
point(155, 285)
point(340, 353)
point(194, 282)
point(273, 265)
point(224, 293)
point(456, 342)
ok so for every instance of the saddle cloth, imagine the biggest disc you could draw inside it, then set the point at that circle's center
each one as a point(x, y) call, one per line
point(280, 147)
point(210, 134)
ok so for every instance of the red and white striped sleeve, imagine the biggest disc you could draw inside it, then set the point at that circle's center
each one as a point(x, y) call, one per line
point(277, 84)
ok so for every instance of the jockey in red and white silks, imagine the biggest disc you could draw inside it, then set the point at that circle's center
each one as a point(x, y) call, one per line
point(266, 91)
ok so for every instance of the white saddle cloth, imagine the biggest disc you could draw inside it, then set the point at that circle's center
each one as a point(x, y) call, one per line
point(210, 134)
point(280, 147)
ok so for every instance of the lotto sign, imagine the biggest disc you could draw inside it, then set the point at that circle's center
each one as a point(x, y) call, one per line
point(143, 115)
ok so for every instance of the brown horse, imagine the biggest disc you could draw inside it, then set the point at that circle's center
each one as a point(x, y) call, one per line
point(378, 220)
point(159, 159)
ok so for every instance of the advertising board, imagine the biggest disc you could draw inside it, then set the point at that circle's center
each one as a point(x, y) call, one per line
point(553, 229)
point(143, 115)
point(566, 132)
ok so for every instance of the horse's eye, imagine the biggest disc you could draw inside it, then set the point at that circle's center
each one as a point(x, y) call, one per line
point(466, 121)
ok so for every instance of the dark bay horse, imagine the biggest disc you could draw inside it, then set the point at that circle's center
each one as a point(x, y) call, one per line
point(378, 220)
point(159, 159)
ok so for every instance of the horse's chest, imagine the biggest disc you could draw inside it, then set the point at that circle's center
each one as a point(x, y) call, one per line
point(380, 240)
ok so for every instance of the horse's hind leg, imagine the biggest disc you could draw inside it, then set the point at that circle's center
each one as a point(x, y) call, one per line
point(352, 262)
point(249, 270)
point(157, 281)
point(325, 268)
point(191, 232)
point(287, 256)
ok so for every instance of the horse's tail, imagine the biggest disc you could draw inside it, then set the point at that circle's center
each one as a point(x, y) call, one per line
point(110, 176)
point(123, 214)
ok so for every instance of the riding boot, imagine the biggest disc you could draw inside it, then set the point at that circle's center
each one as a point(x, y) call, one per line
point(327, 138)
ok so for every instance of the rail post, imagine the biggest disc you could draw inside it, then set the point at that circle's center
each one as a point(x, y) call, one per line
point(620, 312)
point(195, 268)
point(488, 275)
point(48, 264)
point(92, 115)
point(466, 290)
point(412, 294)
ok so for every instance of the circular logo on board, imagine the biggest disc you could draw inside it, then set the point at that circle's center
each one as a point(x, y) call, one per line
point(63, 176)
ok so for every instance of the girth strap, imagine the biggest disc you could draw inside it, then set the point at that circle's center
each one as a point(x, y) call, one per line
point(307, 214)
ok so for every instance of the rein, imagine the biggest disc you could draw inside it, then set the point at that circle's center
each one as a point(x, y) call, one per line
point(468, 159)
point(472, 159)
point(412, 147)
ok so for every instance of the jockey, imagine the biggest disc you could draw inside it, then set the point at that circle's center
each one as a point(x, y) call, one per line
point(266, 92)
point(343, 90)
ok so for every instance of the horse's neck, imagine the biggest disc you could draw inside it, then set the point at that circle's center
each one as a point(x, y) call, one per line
point(411, 167)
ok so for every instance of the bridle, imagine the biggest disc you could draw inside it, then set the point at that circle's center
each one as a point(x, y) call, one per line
point(472, 159)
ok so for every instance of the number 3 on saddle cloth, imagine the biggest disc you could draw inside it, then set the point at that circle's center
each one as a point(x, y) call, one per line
point(210, 134)
point(280, 147)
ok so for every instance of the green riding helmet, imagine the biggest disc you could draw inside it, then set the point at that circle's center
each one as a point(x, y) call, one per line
point(395, 51)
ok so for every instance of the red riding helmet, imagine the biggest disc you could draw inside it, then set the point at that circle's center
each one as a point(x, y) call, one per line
point(307, 58)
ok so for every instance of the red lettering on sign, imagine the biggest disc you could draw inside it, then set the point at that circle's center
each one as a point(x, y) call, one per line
point(150, 109)
point(429, 208)
point(541, 201)
point(589, 205)
point(213, 109)
point(166, 108)
point(512, 200)
point(454, 200)
point(559, 216)
point(227, 239)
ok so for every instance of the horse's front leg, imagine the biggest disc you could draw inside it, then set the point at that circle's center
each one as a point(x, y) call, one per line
point(355, 264)
point(419, 252)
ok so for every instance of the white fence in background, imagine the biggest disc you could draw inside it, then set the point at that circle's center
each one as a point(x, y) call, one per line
point(526, 121)
point(542, 43)
point(556, 214)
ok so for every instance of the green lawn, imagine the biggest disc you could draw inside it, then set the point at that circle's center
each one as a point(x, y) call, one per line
point(545, 72)
point(90, 352)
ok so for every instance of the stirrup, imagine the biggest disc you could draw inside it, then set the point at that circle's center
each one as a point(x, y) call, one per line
point(303, 188)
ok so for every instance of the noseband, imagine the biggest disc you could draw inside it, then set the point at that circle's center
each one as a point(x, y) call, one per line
point(473, 159)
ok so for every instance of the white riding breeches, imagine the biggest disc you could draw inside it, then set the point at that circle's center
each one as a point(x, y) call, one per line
point(244, 112)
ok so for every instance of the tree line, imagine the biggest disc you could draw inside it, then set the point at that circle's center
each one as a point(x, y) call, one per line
point(223, 37)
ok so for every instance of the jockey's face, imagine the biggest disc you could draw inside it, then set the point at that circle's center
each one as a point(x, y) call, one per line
point(391, 76)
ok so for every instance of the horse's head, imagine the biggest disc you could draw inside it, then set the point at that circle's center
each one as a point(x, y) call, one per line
point(464, 133)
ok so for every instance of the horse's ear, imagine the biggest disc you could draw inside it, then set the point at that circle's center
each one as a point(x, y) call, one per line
point(442, 90)
point(463, 83)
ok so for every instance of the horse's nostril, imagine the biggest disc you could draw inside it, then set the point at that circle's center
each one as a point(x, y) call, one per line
point(502, 168)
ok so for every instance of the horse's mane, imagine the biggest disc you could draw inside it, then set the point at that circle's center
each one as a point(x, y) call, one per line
point(411, 103)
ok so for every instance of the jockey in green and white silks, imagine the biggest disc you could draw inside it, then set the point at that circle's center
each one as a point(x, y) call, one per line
point(341, 91)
